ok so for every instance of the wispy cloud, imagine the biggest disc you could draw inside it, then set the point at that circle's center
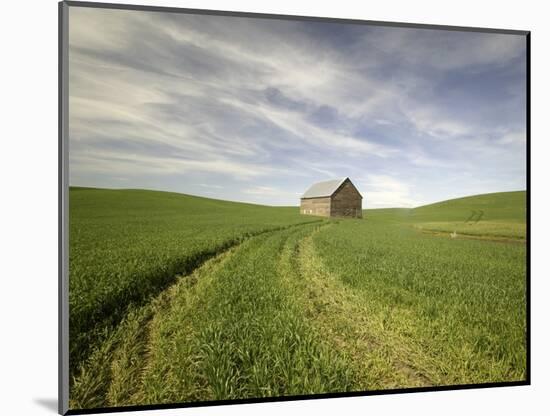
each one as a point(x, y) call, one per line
point(385, 191)
point(513, 138)
point(257, 109)
point(269, 191)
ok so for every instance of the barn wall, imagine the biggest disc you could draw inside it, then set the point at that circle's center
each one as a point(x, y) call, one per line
point(315, 206)
point(346, 202)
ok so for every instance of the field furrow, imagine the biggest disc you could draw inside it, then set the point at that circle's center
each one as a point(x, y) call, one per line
point(452, 311)
point(122, 255)
point(376, 359)
point(176, 347)
point(211, 300)
point(238, 333)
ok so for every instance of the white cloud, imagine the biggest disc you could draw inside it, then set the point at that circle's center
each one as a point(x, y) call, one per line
point(132, 164)
point(208, 185)
point(435, 122)
point(154, 95)
point(444, 50)
point(384, 191)
point(313, 135)
point(269, 191)
point(513, 137)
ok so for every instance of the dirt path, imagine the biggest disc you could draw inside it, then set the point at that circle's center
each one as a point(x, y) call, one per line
point(125, 369)
point(113, 375)
point(380, 359)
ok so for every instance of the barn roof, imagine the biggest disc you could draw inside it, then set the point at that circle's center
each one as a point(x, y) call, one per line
point(322, 189)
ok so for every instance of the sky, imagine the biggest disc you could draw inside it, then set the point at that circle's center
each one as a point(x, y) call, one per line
point(257, 110)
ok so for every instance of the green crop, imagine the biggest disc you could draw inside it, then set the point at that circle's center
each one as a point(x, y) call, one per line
point(177, 298)
point(126, 246)
point(457, 306)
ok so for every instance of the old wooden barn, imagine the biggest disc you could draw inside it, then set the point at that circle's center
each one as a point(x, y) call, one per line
point(334, 198)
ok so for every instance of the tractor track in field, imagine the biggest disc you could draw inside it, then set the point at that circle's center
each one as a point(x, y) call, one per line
point(338, 314)
point(187, 268)
point(335, 312)
point(103, 394)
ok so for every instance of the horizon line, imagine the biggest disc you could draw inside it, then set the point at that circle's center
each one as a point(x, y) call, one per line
point(281, 206)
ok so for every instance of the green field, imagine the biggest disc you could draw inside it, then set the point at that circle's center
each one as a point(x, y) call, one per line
point(178, 298)
point(494, 216)
point(126, 246)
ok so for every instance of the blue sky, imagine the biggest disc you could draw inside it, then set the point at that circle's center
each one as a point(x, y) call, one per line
point(257, 110)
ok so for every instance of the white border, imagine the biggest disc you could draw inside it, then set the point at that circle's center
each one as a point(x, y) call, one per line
point(29, 205)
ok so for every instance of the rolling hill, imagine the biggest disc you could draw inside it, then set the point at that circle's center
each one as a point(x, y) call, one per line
point(495, 215)
point(177, 298)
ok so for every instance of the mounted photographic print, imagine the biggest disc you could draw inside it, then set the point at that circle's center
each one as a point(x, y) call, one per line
point(264, 207)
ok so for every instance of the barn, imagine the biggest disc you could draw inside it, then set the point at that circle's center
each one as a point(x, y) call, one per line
point(334, 198)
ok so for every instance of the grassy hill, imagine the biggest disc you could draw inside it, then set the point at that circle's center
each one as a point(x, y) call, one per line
point(176, 298)
point(495, 215)
point(127, 245)
point(501, 206)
